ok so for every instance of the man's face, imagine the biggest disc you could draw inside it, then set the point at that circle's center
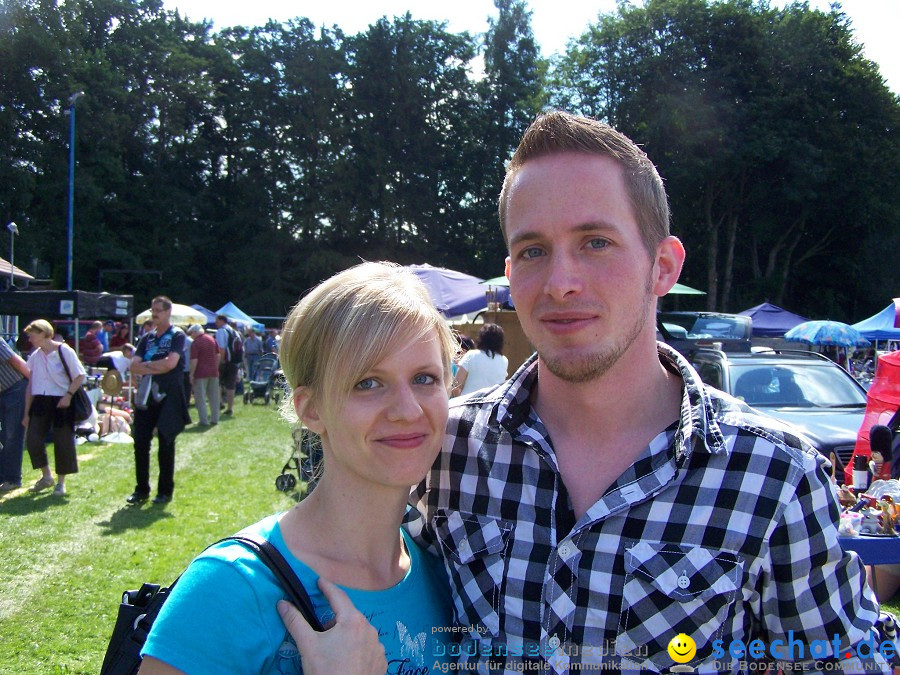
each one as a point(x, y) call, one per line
point(583, 283)
point(159, 314)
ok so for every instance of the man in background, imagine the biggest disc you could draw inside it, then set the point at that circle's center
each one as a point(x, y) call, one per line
point(205, 375)
point(14, 375)
point(160, 402)
point(228, 370)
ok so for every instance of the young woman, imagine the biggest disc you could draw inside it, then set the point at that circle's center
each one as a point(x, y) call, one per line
point(367, 359)
point(47, 405)
point(483, 366)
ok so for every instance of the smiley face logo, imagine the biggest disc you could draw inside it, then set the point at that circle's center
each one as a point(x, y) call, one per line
point(682, 648)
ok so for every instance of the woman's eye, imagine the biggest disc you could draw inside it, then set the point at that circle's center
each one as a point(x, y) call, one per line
point(423, 378)
point(368, 383)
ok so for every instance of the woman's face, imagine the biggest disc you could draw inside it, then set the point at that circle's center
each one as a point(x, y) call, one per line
point(389, 429)
point(37, 339)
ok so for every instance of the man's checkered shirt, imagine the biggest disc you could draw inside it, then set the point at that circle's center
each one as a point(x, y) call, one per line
point(725, 528)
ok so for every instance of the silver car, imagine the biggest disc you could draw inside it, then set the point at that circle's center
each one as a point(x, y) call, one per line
point(813, 394)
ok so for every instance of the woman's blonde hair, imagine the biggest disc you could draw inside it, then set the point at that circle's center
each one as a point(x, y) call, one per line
point(350, 322)
point(41, 326)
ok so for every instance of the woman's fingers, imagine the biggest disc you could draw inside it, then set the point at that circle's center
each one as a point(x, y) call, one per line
point(350, 645)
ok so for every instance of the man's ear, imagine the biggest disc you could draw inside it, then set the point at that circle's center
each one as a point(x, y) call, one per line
point(307, 410)
point(669, 260)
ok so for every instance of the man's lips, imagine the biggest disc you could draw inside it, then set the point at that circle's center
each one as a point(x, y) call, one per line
point(566, 322)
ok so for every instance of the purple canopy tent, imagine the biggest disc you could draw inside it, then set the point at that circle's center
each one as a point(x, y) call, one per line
point(452, 292)
point(771, 321)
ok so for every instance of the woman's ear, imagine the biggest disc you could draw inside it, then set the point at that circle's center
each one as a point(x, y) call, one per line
point(307, 410)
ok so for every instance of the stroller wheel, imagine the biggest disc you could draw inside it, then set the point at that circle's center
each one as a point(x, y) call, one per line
point(285, 482)
point(246, 398)
point(266, 398)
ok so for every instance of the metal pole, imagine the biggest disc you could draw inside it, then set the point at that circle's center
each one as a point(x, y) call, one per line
point(73, 99)
point(13, 231)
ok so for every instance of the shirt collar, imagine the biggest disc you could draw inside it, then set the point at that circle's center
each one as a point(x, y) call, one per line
point(698, 430)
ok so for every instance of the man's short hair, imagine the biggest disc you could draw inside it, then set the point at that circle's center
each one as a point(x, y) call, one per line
point(222, 318)
point(194, 328)
point(127, 347)
point(96, 325)
point(556, 132)
point(162, 300)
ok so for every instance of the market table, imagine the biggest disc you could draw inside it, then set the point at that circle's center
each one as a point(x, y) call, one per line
point(873, 550)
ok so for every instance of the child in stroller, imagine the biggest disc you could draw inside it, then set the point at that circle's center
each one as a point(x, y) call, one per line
point(265, 381)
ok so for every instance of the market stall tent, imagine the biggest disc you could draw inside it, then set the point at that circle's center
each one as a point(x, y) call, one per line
point(882, 403)
point(771, 320)
point(882, 326)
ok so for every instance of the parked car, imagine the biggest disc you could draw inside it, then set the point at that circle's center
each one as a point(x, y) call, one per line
point(813, 394)
point(689, 331)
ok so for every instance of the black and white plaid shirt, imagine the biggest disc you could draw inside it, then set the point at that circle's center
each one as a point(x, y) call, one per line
point(725, 528)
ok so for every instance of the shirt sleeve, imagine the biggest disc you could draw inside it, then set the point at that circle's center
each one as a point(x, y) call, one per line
point(211, 623)
point(72, 360)
point(812, 587)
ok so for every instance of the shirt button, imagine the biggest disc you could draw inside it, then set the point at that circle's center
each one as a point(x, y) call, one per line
point(553, 642)
point(564, 550)
point(683, 581)
point(463, 544)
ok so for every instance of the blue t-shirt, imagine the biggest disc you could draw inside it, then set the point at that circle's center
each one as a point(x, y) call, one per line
point(222, 616)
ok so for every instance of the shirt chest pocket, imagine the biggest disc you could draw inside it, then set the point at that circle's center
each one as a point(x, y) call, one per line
point(671, 589)
point(474, 547)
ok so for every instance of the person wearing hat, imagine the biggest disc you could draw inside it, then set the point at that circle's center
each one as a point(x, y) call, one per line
point(204, 370)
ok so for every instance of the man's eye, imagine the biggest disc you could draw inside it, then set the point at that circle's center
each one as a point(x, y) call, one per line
point(532, 252)
point(423, 378)
point(598, 243)
point(368, 383)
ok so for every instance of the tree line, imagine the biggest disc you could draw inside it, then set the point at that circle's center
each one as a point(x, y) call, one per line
point(248, 163)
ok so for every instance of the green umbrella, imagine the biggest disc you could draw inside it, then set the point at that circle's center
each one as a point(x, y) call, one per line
point(681, 289)
point(496, 281)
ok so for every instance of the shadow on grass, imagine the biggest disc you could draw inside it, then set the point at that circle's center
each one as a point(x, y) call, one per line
point(133, 518)
point(28, 502)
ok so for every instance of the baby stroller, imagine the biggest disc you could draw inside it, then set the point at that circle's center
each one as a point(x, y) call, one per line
point(266, 381)
point(306, 454)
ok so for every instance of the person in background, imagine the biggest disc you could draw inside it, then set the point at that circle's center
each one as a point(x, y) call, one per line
point(186, 367)
point(119, 359)
point(109, 327)
point(90, 347)
point(253, 349)
point(14, 376)
point(228, 370)
point(377, 400)
point(48, 400)
point(122, 336)
point(205, 375)
point(270, 344)
point(159, 404)
point(483, 366)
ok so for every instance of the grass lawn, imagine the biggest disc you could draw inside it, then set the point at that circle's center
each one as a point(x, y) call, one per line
point(65, 561)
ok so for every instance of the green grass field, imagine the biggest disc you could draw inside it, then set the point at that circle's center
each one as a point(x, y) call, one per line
point(65, 561)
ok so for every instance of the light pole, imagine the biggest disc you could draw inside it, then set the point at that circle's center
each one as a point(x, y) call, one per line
point(13, 231)
point(73, 99)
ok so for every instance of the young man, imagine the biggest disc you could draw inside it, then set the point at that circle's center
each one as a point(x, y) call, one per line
point(228, 370)
point(160, 403)
point(603, 501)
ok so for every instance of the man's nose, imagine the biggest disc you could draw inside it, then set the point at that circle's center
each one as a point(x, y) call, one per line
point(563, 276)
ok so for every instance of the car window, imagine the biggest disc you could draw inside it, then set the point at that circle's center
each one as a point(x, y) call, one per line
point(795, 385)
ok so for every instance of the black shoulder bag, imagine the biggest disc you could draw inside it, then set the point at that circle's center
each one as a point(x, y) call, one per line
point(139, 608)
point(80, 402)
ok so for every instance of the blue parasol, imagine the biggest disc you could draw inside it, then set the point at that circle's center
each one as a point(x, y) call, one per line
point(832, 333)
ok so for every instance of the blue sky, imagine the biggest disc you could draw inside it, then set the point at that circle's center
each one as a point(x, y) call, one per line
point(876, 22)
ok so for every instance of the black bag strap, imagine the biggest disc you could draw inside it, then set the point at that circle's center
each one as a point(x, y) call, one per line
point(63, 361)
point(286, 576)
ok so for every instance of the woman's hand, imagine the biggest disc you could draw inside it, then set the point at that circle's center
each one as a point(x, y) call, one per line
point(350, 645)
point(65, 401)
